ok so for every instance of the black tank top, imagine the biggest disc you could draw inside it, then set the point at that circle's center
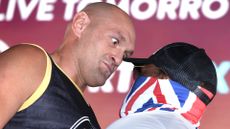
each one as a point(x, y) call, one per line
point(59, 106)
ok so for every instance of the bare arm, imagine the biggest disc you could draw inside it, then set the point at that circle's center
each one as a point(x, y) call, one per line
point(21, 70)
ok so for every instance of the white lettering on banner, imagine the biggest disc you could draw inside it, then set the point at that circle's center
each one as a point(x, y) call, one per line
point(220, 12)
point(69, 8)
point(2, 17)
point(3, 46)
point(222, 71)
point(44, 10)
point(26, 10)
point(190, 7)
point(125, 77)
point(162, 9)
point(10, 10)
point(167, 7)
point(143, 15)
point(186, 7)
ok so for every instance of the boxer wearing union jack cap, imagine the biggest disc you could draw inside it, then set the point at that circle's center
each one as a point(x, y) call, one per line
point(171, 90)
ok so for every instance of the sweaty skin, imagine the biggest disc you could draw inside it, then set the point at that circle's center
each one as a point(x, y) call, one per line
point(94, 44)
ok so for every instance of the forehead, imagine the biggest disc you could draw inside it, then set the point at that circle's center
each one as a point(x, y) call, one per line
point(125, 35)
point(115, 22)
point(122, 26)
point(113, 17)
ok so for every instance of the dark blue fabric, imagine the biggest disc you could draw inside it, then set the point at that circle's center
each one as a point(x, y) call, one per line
point(59, 107)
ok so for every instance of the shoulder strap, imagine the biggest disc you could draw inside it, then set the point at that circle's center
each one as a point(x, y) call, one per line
point(43, 85)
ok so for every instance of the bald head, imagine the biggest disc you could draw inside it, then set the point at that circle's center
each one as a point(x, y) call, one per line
point(100, 12)
point(102, 8)
point(96, 41)
point(104, 11)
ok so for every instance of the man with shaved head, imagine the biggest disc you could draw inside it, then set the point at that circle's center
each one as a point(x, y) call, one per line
point(39, 90)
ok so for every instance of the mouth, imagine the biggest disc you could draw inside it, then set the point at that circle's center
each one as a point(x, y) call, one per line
point(109, 68)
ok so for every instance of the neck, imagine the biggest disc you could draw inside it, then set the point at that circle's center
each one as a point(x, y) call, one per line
point(67, 65)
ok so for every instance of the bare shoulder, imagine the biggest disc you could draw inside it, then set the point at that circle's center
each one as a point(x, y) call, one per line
point(22, 68)
point(22, 50)
point(24, 64)
point(21, 59)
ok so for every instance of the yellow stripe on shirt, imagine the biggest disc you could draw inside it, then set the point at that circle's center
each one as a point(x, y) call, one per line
point(43, 85)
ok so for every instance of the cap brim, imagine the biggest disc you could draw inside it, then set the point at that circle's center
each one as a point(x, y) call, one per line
point(138, 61)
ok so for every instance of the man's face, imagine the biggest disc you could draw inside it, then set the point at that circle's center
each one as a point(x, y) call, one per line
point(104, 45)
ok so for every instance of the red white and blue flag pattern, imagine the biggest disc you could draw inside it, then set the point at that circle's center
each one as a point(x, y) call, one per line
point(151, 94)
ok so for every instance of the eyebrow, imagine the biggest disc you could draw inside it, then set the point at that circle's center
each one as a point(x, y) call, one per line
point(129, 53)
point(121, 36)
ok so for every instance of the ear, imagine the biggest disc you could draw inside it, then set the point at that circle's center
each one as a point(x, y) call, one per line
point(80, 22)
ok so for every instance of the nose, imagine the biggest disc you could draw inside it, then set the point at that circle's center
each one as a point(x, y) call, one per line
point(117, 57)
